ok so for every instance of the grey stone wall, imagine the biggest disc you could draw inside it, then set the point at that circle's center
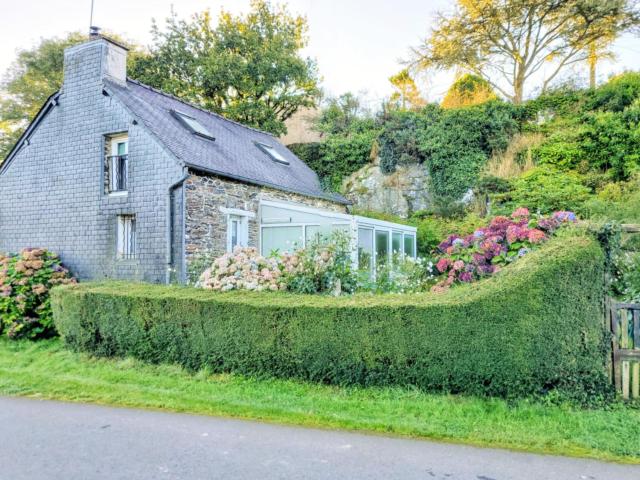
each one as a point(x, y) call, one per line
point(206, 225)
point(52, 193)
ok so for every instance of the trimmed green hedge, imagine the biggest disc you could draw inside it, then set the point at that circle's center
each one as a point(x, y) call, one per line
point(534, 327)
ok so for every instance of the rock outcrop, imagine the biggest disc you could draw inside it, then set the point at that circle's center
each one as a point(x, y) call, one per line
point(401, 193)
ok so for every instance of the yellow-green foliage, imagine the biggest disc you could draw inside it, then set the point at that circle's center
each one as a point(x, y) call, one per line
point(535, 327)
point(468, 90)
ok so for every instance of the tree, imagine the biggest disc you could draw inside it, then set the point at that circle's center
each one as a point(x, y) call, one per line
point(32, 78)
point(468, 90)
point(339, 113)
point(508, 41)
point(247, 67)
point(596, 51)
point(406, 95)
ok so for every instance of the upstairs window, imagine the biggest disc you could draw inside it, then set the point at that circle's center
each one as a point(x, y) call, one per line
point(126, 237)
point(118, 165)
point(193, 125)
point(273, 153)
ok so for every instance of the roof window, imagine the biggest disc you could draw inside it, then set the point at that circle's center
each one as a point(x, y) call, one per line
point(273, 153)
point(192, 124)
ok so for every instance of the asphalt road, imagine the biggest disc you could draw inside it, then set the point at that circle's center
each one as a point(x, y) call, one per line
point(53, 440)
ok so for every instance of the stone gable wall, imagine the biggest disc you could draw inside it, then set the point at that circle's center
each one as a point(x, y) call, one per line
point(53, 195)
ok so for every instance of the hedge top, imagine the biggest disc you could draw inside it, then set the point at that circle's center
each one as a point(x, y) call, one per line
point(563, 249)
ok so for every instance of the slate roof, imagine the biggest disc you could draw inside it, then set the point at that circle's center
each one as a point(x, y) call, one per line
point(233, 153)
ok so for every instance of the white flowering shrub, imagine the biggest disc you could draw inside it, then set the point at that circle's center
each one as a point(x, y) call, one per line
point(325, 266)
point(402, 275)
point(244, 269)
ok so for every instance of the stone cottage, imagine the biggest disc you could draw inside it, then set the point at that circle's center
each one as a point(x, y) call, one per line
point(125, 181)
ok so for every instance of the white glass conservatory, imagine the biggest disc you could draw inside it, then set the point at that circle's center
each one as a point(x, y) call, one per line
point(285, 227)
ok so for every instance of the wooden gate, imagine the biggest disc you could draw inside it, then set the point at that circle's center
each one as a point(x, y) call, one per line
point(625, 327)
point(624, 321)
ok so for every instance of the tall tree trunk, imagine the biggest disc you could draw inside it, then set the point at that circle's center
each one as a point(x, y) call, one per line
point(518, 85)
point(593, 60)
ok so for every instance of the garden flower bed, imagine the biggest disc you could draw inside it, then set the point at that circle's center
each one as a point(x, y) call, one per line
point(504, 240)
point(328, 266)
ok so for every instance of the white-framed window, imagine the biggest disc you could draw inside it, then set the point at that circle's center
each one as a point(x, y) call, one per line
point(237, 227)
point(126, 237)
point(118, 165)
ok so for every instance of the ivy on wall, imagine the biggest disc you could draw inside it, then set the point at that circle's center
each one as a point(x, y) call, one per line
point(454, 144)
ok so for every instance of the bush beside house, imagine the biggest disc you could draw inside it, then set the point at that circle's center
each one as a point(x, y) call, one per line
point(25, 282)
point(533, 328)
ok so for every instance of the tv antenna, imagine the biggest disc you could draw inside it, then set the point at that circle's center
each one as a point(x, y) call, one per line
point(93, 30)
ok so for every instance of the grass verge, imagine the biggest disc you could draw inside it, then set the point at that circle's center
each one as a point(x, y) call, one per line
point(47, 370)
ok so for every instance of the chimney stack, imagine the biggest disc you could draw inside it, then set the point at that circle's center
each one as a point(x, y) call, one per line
point(87, 65)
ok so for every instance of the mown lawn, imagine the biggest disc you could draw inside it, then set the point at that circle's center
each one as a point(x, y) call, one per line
point(47, 370)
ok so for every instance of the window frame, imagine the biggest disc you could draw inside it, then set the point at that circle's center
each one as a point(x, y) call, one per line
point(242, 218)
point(272, 153)
point(184, 118)
point(126, 245)
point(116, 160)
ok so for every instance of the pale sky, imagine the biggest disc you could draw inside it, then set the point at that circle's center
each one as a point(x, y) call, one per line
point(358, 43)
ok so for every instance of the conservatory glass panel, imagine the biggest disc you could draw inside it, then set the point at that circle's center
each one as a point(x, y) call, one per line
point(281, 239)
point(273, 214)
point(396, 243)
point(408, 245)
point(315, 233)
point(382, 247)
point(365, 249)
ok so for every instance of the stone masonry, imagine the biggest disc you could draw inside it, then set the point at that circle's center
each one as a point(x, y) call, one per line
point(206, 225)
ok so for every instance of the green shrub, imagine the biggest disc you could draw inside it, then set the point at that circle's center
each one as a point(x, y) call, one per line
point(626, 280)
point(399, 140)
point(545, 189)
point(340, 154)
point(535, 327)
point(611, 142)
point(454, 144)
point(618, 201)
point(562, 150)
point(433, 229)
point(25, 283)
point(617, 94)
point(458, 145)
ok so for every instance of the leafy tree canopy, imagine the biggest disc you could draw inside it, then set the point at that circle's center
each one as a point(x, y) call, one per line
point(247, 67)
point(406, 95)
point(339, 114)
point(508, 41)
point(468, 90)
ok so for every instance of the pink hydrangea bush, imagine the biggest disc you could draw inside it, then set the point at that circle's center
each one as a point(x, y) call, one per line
point(25, 282)
point(245, 269)
point(504, 240)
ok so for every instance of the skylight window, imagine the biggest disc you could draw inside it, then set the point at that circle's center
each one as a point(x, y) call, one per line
point(273, 153)
point(192, 124)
